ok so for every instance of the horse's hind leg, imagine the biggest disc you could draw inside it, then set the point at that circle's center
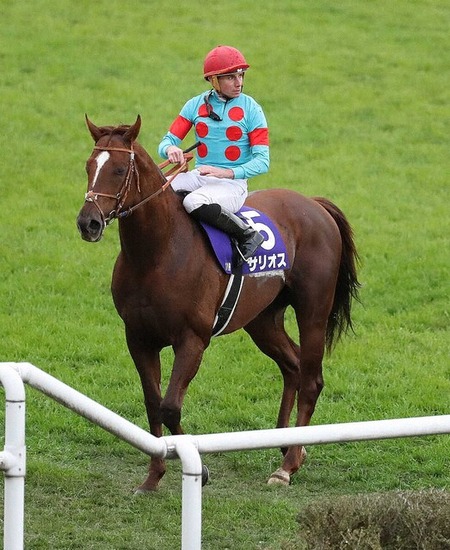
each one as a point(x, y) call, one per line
point(309, 384)
point(268, 333)
point(312, 316)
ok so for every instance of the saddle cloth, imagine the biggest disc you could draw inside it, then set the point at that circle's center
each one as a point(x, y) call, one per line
point(269, 257)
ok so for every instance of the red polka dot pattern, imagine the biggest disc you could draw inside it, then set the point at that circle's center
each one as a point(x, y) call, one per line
point(234, 133)
point(232, 152)
point(236, 113)
point(202, 150)
point(203, 111)
point(202, 129)
point(230, 127)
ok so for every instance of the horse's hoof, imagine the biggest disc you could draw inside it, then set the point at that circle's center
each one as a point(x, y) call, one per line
point(303, 455)
point(280, 477)
point(205, 475)
point(144, 491)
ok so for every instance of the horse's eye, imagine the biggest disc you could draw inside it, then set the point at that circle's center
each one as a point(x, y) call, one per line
point(120, 171)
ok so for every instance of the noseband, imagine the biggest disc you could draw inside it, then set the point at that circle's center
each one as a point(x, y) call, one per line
point(121, 196)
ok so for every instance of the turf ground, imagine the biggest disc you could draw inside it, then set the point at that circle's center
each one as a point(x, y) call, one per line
point(357, 99)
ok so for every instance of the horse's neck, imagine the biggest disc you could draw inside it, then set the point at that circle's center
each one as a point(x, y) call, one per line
point(147, 233)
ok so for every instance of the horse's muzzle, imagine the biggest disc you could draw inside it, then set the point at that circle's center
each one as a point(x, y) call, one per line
point(90, 225)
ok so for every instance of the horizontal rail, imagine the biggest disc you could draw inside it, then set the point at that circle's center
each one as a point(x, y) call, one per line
point(93, 411)
point(323, 434)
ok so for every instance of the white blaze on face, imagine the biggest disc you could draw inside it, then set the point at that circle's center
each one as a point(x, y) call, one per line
point(102, 158)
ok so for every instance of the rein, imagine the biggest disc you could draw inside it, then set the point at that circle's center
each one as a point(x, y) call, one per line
point(121, 196)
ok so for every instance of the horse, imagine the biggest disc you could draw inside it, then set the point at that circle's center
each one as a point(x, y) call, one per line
point(167, 286)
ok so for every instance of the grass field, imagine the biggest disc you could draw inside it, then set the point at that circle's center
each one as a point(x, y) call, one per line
point(357, 99)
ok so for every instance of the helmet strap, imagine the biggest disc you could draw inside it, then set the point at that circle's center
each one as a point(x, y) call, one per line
point(215, 83)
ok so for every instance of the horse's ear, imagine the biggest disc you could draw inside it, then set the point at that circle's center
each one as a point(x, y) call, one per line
point(95, 131)
point(132, 133)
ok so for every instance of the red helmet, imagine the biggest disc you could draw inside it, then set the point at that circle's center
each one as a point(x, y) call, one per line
point(223, 60)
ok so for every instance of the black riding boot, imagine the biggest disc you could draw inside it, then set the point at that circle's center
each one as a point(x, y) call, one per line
point(248, 239)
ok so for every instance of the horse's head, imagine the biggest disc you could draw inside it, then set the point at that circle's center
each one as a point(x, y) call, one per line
point(111, 170)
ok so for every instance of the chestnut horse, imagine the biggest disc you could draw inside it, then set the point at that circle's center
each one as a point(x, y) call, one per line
point(167, 286)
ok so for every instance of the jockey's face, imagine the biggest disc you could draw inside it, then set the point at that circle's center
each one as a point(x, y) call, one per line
point(231, 84)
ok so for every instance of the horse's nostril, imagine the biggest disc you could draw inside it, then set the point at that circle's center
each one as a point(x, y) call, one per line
point(90, 228)
point(94, 226)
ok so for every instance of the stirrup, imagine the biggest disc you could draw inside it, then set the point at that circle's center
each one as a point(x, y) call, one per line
point(241, 258)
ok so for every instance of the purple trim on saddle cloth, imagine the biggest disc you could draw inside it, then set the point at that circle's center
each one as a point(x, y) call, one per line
point(270, 256)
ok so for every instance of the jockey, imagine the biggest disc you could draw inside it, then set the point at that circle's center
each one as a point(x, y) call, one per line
point(234, 146)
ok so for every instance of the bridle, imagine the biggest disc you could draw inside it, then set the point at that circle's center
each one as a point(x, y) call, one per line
point(132, 172)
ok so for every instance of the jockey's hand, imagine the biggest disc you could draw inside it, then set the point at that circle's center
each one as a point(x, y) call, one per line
point(216, 172)
point(174, 154)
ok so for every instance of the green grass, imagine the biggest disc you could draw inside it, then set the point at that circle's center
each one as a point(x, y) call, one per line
point(357, 99)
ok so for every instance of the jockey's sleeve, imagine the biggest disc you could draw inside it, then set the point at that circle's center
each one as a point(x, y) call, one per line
point(177, 132)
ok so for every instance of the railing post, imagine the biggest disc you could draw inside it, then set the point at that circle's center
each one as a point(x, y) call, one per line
point(13, 459)
point(191, 515)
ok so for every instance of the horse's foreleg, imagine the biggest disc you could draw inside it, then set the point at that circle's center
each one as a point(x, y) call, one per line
point(188, 356)
point(157, 467)
point(149, 369)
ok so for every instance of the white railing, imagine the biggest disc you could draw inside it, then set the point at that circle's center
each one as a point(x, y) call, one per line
point(185, 447)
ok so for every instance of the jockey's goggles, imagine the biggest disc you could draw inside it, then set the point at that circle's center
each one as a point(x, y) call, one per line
point(237, 72)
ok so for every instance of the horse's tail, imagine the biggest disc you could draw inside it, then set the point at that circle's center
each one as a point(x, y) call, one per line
point(347, 285)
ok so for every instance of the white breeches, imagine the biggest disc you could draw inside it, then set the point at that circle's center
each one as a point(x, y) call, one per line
point(229, 193)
